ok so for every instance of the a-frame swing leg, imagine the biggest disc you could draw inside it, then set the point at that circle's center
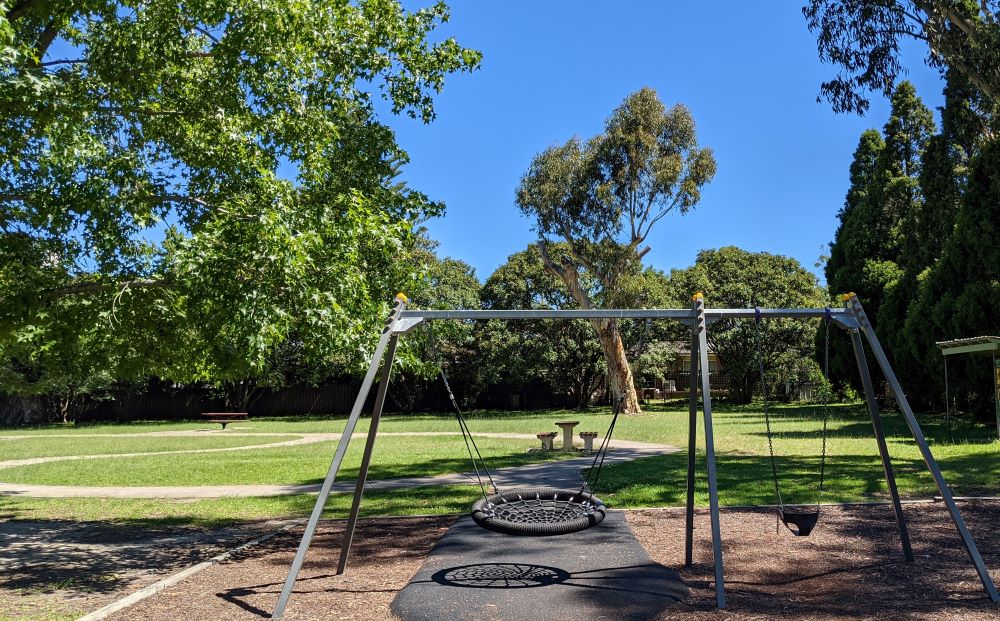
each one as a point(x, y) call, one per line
point(359, 489)
point(883, 449)
point(854, 305)
point(692, 440)
point(713, 491)
point(338, 457)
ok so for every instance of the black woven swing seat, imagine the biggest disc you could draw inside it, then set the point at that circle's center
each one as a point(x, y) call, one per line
point(538, 511)
point(804, 520)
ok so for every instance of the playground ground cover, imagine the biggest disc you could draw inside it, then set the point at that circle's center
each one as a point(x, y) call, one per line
point(850, 568)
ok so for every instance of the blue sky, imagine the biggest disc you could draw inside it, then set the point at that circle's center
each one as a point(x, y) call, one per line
point(551, 70)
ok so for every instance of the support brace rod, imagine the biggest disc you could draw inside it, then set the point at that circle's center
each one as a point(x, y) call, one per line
point(713, 491)
point(359, 488)
point(692, 439)
point(883, 448)
point(338, 457)
point(854, 305)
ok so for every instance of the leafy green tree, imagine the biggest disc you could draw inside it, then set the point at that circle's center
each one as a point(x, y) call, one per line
point(141, 175)
point(602, 197)
point(448, 284)
point(869, 253)
point(563, 353)
point(925, 231)
point(654, 361)
point(864, 37)
point(734, 278)
point(853, 243)
point(960, 294)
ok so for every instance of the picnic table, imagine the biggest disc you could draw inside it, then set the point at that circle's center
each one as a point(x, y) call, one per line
point(224, 418)
point(567, 427)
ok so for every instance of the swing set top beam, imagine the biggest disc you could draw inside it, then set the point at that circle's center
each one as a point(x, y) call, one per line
point(626, 313)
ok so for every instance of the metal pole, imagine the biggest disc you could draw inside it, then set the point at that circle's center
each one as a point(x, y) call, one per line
point(359, 489)
point(338, 457)
point(692, 439)
point(883, 449)
point(713, 492)
point(947, 400)
point(996, 391)
point(852, 303)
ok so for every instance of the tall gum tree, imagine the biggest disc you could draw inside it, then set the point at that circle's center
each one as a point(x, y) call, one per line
point(864, 39)
point(603, 197)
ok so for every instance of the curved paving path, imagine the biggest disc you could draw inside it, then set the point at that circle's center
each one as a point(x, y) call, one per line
point(564, 473)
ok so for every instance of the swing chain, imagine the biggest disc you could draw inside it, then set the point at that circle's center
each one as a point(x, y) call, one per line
point(470, 442)
point(826, 400)
point(767, 414)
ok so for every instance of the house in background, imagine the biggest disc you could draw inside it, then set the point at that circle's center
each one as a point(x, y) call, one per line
point(676, 381)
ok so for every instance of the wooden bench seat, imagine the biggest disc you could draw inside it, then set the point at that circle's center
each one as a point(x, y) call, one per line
point(224, 418)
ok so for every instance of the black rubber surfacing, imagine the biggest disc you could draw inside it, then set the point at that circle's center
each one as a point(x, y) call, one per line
point(538, 512)
point(599, 573)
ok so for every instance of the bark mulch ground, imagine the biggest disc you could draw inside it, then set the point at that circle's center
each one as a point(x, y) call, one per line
point(850, 568)
point(60, 570)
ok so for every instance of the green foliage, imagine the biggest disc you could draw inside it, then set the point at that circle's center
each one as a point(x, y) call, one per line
point(601, 198)
point(654, 362)
point(864, 38)
point(960, 295)
point(873, 246)
point(943, 177)
point(563, 353)
point(447, 284)
point(914, 241)
point(140, 191)
point(734, 278)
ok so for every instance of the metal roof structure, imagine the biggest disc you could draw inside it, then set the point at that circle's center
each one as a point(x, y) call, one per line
point(974, 345)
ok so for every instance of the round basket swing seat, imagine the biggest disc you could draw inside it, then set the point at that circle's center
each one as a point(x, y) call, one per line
point(538, 511)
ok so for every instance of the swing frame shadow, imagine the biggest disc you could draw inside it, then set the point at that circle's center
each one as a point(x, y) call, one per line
point(851, 318)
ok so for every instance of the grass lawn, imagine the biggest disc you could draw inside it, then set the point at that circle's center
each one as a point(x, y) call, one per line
point(46, 446)
point(854, 471)
point(394, 457)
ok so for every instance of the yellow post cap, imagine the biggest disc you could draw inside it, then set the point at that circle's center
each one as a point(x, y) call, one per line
point(402, 297)
point(698, 296)
point(848, 296)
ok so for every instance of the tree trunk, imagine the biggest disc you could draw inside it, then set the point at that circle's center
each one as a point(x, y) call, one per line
point(619, 371)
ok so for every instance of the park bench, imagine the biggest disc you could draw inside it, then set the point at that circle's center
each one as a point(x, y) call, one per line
point(588, 440)
point(546, 438)
point(224, 418)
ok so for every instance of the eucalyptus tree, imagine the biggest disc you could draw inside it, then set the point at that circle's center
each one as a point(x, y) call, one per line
point(864, 38)
point(602, 197)
point(206, 180)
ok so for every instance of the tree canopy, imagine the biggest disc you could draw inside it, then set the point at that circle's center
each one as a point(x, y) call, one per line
point(210, 179)
point(565, 354)
point(602, 197)
point(864, 39)
point(731, 277)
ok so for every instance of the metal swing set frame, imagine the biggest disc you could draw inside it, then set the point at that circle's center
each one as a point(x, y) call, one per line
point(851, 318)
